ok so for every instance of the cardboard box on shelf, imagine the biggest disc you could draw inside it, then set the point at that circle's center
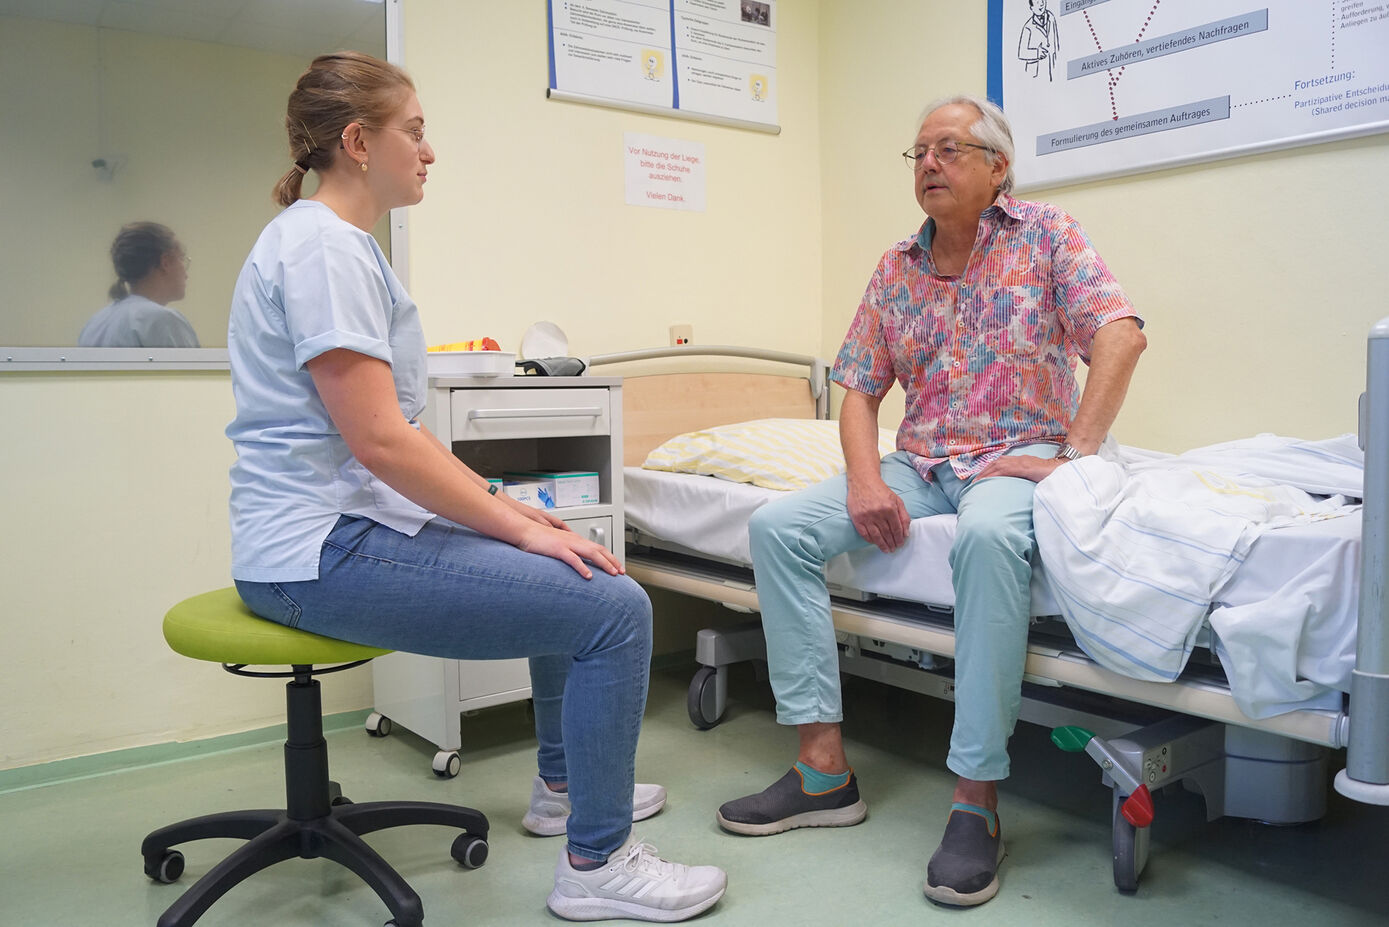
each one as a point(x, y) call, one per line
point(566, 487)
point(538, 494)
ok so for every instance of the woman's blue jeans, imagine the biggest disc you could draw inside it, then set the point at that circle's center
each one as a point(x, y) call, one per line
point(454, 593)
point(991, 568)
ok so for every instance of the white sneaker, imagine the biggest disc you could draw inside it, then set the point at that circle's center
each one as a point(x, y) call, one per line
point(637, 884)
point(549, 811)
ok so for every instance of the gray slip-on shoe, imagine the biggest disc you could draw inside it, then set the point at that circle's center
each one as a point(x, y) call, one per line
point(964, 869)
point(785, 805)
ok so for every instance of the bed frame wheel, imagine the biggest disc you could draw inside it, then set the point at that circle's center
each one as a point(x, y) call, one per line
point(702, 702)
point(1130, 849)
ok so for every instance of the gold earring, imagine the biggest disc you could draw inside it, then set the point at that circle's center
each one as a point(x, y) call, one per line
point(364, 167)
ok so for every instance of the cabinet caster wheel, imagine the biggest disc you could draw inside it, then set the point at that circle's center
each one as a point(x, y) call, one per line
point(378, 725)
point(447, 764)
point(469, 850)
point(167, 868)
point(702, 700)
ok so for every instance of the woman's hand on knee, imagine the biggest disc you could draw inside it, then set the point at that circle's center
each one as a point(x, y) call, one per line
point(543, 517)
point(563, 544)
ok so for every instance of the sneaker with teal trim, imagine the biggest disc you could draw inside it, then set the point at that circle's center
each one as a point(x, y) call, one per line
point(785, 805)
point(964, 869)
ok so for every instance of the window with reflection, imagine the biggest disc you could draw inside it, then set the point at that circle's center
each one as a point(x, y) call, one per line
point(165, 112)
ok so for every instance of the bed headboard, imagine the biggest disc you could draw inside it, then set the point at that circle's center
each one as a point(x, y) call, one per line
point(657, 407)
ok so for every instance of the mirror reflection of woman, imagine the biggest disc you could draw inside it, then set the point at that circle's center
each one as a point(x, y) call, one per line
point(151, 272)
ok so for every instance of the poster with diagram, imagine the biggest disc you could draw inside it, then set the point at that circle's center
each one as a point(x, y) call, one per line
point(714, 58)
point(1096, 88)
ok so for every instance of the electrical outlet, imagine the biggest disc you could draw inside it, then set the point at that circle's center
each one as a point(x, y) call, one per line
point(681, 334)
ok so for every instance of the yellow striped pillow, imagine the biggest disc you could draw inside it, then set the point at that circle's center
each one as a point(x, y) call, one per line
point(774, 453)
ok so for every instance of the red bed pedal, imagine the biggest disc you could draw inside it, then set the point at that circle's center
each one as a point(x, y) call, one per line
point(1137, 809)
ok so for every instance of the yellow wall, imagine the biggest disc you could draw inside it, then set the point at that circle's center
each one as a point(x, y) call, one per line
point(1254, 275)
point(1259, 276)
point(524, 217)
point(200, 131)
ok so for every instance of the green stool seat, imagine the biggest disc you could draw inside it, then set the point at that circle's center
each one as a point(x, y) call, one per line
point(317, 820)
point(217, 626)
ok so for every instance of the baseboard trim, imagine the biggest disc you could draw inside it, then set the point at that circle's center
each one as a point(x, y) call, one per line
point(102, 764)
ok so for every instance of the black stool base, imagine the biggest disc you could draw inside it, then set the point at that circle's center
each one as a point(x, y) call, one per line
point(272, 837)
point(313, 826)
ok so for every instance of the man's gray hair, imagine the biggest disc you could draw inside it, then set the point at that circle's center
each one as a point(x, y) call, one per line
point(991, 130)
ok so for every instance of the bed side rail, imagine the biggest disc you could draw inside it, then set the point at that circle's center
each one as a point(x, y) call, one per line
point(1366, 776)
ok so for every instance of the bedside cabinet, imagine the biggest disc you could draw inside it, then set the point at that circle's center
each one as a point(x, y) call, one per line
point(499, 424)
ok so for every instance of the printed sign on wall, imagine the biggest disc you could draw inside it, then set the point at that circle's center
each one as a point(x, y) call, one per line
point(707, 57)
point(1095, 88)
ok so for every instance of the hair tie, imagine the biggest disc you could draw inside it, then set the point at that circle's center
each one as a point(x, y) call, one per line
point(301, 167)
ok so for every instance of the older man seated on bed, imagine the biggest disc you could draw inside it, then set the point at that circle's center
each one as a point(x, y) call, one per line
point(980, 316)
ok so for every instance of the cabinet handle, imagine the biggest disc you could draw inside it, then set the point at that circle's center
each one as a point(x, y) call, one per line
point(576, 412)
point(598, 535)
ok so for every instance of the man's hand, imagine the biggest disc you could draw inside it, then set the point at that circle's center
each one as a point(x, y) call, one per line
point(878, 513)
point(1023, 466)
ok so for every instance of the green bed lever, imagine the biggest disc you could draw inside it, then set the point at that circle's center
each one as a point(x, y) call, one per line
point(1137, 807)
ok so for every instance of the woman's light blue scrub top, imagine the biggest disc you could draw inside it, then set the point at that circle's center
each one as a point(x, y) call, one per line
point(311, 284)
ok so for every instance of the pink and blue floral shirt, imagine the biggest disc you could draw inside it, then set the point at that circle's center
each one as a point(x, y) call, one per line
point(987, 358)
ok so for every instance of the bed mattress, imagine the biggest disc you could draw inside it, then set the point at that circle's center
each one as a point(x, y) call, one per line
point(708, 517)
point(1309, 568)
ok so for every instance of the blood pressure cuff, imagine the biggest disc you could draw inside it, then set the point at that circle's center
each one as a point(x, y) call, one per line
point(553, 367)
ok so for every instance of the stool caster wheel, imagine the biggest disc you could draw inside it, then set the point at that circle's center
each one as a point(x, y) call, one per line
point(447, 764)
point(469, 850)
point(167, 868)
point(378, 725)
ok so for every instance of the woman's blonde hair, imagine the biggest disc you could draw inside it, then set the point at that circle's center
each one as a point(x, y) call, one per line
point(336, 90)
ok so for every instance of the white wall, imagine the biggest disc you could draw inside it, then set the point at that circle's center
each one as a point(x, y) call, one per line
point(1255, 276)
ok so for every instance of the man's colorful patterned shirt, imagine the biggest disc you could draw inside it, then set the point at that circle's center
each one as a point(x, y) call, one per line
point(987, 358)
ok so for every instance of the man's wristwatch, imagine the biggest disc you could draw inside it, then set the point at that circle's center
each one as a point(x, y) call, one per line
point(1068, 453)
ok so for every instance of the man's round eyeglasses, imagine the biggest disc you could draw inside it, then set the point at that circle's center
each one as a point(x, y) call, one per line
point(945, 152)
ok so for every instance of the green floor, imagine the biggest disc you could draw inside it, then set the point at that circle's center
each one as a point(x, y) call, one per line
point(70, 853)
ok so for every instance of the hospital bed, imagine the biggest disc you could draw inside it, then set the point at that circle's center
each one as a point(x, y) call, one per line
point(687, 534)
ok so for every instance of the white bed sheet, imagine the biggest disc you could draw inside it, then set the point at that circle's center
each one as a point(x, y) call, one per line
point(709, 516)
point(1308, 568)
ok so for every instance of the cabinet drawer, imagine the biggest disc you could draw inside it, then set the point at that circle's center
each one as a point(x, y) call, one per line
point(598, 530)
point(484, 683)
point(480, 415)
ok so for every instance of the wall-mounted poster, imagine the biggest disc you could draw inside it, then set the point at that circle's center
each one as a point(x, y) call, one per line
point(707, 59)
point(1095, 88)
